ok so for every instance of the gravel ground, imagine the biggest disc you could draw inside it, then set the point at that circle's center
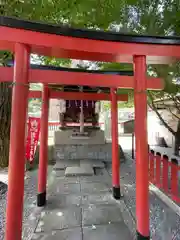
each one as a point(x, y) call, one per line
point(164, 222)
point(30, 193)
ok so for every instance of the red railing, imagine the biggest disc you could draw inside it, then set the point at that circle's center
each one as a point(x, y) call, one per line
point(163, 173)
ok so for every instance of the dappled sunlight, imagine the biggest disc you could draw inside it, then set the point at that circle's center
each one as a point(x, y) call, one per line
point(59, 214)
point(4, 177)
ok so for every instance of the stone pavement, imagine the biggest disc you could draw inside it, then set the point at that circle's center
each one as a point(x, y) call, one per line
point(80, 208)
point(83, 208)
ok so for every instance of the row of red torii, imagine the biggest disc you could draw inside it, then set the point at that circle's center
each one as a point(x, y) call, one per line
point(24, 38)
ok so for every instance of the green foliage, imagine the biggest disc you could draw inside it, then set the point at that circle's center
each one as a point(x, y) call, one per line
point(55, 61)
point(34, 105)
point(5, 57)
point(121, 67)
point(36, 86)
point(116, 66)
point(98, 14)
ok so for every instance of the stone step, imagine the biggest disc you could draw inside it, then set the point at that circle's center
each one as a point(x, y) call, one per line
point(92, 162)
point(63, 164)
point(85, 170)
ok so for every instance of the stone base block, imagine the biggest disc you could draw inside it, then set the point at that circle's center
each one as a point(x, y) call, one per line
point(85, 170)
point(102, 152)
point(68, 138)
point(92, 163)
point(63, 164)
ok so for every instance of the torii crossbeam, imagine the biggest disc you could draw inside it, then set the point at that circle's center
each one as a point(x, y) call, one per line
point(78, 96)
point(82, 78)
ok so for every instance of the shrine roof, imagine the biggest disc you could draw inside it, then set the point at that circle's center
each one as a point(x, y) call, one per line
point(86, 33)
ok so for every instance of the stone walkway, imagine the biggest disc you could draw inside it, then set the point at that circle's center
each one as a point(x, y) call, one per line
point(81, 208)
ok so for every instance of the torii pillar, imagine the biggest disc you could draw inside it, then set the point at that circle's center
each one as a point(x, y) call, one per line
point(142, 159)
point(43, 151)
point(16, 170)
point(115, 146)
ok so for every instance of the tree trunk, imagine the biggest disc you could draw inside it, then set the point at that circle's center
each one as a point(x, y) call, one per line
point(177, 140)
point(5, 122)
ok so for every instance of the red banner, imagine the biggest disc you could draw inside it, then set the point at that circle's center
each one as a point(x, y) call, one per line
point(33, 132)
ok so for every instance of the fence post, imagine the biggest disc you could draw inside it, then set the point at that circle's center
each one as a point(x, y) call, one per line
point(151, 166)
point(174, 179)
point(165, 173)
point(133, 145)
point(158, 170)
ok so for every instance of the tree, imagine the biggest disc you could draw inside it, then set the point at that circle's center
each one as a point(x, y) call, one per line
point(170, 101)
point(159, 17)
point(5, 114)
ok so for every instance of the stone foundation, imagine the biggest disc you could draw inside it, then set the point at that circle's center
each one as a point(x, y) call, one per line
point(74, 152)
point(93, 148)
point(67, 138)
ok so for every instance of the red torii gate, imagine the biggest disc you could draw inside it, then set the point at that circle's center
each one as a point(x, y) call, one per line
point(78, 95)
point(16, 36)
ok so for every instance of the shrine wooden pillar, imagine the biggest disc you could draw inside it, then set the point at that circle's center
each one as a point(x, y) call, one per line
point(43, 151)
point(142, 180)
point(115, 147)
point(16, 170)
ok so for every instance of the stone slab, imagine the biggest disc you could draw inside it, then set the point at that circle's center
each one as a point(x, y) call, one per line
point(94, 163)
point(100, 214)
point(98, 198)
point(59, 173)
point(63, 164)
point(101, 175)
point(80, 137)
point(94, 187)
point(91, 179)
point(85, 170)
point(63, 200)
point(65, 188)
point(66, 234)
point(118, 231)
point(59, 219)
point(65, 180)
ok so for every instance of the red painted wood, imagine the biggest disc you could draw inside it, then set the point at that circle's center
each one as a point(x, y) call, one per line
point(142, 158)
point(17, 145)
point(71, 47)
point(43, 151)
point(114, 132)
point(174, 179)
point(88, 79)
point(158, 170)
point(78, 95)
point(165, 173)
point(77, 78)
point(35, 94)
